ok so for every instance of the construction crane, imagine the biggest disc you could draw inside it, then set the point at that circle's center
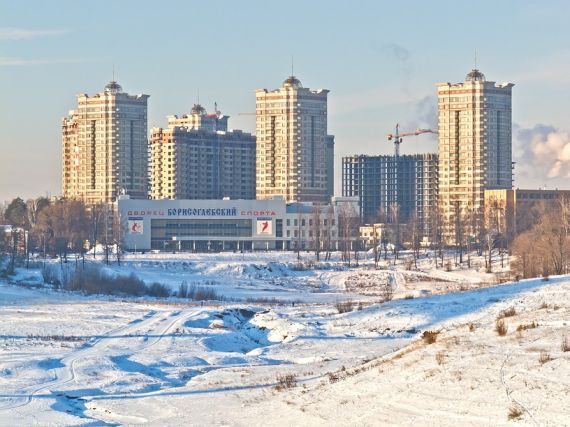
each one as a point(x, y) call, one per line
point(397, 137)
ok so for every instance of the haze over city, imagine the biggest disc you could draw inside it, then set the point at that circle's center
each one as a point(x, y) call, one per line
point(300, 213)
point(380, 60)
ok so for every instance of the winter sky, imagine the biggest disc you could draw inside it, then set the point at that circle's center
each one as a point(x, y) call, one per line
point(379, 59)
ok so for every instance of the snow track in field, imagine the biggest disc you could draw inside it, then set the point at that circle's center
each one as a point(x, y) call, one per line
point(66, 373)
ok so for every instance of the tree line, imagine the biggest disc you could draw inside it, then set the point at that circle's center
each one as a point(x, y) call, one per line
point(55, 227)
point(536, 237)
point(539, 239)
point(543, 248)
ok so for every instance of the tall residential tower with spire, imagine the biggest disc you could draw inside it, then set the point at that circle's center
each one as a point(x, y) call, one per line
point(475, 149)
point(294, 153)
point(104, 146)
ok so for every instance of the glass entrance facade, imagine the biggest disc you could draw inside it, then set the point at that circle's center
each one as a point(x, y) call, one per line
point(199, 234)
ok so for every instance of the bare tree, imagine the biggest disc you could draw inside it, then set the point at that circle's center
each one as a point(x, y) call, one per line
point(65, 226)
point(33, 208)
point(529, 254)
point(459, 231)
point(413, 236)
point(118, 229)
point(436, 228)
point(328, 231)
point(379, 236)
point(545, 247)
point(553, 235)
point(298, 233)
point(96, 212)
point(385, 234)
point(375, 245)
point(106, 231)
point(496, 220)
point(469, 230)
point(395, 228)
point(348, 225)
point(316, 230)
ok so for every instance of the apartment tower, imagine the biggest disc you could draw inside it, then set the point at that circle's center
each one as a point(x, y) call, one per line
point(475, 149)
point(371, 179)
point(104, 146)
point(291, 131)
point(196, 157)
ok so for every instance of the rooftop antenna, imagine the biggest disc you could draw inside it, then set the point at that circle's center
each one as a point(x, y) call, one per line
point(292, 73)
point(113, 72)
point(475, 58)
point(198, 97)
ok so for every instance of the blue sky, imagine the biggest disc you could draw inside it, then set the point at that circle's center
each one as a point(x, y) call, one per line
point(379, 59)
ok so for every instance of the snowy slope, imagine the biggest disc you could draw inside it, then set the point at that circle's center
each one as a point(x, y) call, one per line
point(67, 359)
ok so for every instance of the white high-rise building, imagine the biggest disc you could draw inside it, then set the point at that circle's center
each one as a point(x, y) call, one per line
point(105, 147)
point(475, 148)
point(291, 131)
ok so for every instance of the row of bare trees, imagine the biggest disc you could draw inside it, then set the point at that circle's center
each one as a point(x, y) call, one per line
point(466, 230)
point(324, 234)
point(57, 228)
point(544, 249)
point(538, 236)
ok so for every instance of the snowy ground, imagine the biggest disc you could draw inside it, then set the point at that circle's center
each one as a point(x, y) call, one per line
point(68, 359)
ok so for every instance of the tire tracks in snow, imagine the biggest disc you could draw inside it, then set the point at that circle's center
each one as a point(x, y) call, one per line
point(66, 373)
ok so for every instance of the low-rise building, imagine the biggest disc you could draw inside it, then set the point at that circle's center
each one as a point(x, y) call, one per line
point(221, 225)
point(13, 239)
point(371, 234)
point(515, 210)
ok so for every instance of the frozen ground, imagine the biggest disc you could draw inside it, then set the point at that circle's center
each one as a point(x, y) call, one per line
point(67, 359)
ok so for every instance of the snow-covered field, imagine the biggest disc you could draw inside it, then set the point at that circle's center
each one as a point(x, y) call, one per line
point(70, 359)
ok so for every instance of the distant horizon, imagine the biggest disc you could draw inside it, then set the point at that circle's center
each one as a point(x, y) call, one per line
point(375, 79)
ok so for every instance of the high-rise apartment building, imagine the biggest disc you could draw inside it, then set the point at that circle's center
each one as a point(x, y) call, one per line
point(373, 180)
point(200, 119)
point(475, 148)
point(291, 131)
point(104, 146)
point(198, 162)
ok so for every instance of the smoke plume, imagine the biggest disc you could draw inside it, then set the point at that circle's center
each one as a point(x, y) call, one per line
point(542, 154)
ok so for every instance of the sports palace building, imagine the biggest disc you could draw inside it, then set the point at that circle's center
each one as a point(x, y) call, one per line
point(225, 225)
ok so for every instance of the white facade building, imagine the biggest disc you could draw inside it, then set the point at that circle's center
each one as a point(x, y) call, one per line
point(475, 147)
point(223, 225)
point(104, 146)
point(292, 156)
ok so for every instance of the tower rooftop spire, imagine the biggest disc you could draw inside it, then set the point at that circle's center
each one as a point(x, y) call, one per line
point(113, 87)
point(475, 76)
point(293, 82)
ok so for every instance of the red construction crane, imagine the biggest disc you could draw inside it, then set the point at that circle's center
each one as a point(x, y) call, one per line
point(397, 137)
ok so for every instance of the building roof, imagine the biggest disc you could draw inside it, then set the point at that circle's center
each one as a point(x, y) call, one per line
point(113, 87)
point(475, 76)
point(293, 82)
point(198, 109)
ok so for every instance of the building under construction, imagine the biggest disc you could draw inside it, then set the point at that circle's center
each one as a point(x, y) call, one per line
point(380, 184)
